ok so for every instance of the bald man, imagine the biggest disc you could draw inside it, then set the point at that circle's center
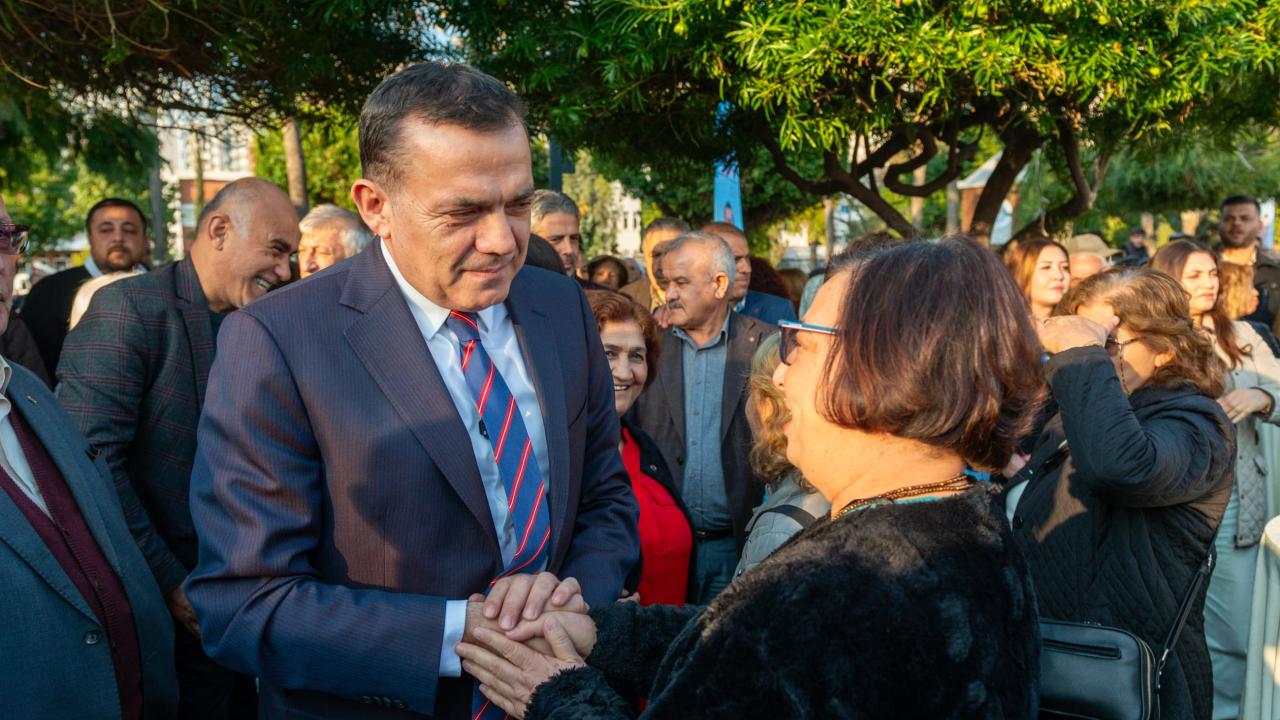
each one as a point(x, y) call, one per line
point(133, 375)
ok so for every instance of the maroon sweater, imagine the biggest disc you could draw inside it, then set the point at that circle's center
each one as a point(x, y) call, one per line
point(69, 540)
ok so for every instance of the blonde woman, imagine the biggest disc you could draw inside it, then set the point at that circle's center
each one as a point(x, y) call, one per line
point(790, 504)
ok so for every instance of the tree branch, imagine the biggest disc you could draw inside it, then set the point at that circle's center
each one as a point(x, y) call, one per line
point(815, 187)
point(867, 196)
point(1085, 189)
point(1020, 141)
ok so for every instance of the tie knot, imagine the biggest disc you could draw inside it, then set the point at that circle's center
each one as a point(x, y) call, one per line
point(464, 325)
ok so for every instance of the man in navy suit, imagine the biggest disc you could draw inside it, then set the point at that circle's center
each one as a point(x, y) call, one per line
point(441, 425)
point(761, 306)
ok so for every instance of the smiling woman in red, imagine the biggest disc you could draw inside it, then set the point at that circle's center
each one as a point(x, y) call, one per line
point(630, 339)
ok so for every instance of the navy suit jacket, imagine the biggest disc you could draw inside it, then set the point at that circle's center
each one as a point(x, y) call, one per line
point(47, 669)
point(338, 504)
point(766, 307)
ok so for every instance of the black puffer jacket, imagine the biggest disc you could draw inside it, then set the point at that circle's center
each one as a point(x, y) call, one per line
point(911, 611)
point(1115, 527)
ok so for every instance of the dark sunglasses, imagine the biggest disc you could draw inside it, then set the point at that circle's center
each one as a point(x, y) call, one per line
point(787, 332)
point(1115, 347)
point(13, 238)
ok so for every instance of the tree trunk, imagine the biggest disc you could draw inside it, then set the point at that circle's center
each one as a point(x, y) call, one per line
point(1020, 143)
point(919, 176)
point(159, 223)
point(828, 231)
point(295, 164)
point(953, 208)
point(198, 164)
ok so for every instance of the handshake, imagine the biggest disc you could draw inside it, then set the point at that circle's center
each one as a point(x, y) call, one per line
point(528, 629)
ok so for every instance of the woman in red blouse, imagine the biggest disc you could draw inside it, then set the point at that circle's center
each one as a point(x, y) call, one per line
point(630, 339)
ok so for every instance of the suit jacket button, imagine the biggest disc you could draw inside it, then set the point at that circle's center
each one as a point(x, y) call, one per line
point(1017, 522)
point(399, 705)
point(92, 637)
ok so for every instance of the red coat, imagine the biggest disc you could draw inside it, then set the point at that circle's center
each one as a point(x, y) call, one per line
point(666, 537)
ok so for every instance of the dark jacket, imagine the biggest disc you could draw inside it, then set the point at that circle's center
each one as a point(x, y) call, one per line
point(18, 346)
point(768, 308)
point(920, 610)
point(48, 308)
point(133, 377)
point(660, 413)
point(1115, 528)
point(1266, 278)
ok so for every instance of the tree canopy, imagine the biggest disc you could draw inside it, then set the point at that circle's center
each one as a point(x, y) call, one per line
point(874, 89)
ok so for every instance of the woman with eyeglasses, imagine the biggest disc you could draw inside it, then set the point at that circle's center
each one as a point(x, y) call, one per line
point(1118, 505)
point(910, 598)
point(1252, 386)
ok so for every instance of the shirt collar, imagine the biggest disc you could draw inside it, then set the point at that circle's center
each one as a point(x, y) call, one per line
point(92, 267)
point(435, 315)
point(742, 304)
point(6, 374)
point(724, 333)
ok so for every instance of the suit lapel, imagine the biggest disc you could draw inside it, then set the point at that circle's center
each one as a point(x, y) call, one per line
point(195, 316)
point(671, 378)
point(389, 344)
point(742, 341)
point(538, 347)
point(70, 459)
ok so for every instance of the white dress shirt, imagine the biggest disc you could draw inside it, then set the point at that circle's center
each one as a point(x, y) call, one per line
point(12, 459)
point(498, 337)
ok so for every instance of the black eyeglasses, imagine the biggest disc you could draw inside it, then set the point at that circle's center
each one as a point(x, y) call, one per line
point(13, 238)
point(787, 331)
point(1115, 347)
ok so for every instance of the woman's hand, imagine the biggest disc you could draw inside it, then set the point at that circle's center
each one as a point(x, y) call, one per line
point(1064, 332)
point(509, 672)
point(581, 630)
point(1243, 402)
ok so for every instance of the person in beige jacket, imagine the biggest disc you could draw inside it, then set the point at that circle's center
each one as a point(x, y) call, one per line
point(1253, 384)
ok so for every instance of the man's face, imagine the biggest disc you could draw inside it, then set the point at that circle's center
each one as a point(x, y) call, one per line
point(319, 249)
point(653, 262)
point(1138, 239)
point(117, 239)
point(561, 229)
point(1084, 265)
point(741, 262)
point(8, 268)
point(695, 292)
point(1241, 227)
point(254, 246)
point(457, 220)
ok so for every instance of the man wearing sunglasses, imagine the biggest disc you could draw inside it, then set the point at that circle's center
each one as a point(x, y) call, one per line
point(83, 627)
point(696, 408)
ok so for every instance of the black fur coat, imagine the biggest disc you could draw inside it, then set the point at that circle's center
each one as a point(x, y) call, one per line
point(921, 610)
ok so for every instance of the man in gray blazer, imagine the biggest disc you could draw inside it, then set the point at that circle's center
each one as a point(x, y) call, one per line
point(84, 631)
point(696, 408)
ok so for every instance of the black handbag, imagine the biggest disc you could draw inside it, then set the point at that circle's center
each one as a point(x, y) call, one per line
point(1094, 672)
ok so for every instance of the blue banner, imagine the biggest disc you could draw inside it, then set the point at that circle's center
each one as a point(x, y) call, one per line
point(727, 202)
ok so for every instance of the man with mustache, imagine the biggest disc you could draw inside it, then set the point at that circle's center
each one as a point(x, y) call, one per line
point(416, 443)
point(133, 377)
point(117, 232)
point(1240, 229)
point(696, 408)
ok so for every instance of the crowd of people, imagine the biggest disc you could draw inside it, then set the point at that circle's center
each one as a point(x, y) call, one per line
point(426, 458)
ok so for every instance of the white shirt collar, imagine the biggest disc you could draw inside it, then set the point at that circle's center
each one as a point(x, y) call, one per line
point(6, 374)
point(434, 314)
point(92, 267)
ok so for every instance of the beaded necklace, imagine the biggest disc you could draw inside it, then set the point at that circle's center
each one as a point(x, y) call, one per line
point(960, 482)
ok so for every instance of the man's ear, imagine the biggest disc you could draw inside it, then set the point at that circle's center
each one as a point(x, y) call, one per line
point(722, 286)
point(374, 205)
point(219, 230)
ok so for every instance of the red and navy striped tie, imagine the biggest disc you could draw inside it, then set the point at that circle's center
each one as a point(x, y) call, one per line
point(501, 422)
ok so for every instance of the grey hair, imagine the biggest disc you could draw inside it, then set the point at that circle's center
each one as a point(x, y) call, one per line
point(721, 256)
point(355, 235)
point(546, 202)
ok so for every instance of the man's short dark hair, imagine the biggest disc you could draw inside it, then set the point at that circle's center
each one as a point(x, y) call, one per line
point(1242, 200)
point(110, 203)
point(666, 223)
point(435, 94)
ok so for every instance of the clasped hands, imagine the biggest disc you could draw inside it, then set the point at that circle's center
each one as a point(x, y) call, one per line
point(529, 628)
